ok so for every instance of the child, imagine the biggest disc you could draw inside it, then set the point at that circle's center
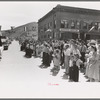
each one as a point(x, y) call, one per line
point(71, 68)
point(56, 60)
point(75, 74)
point(75, 63)
point(79, 62)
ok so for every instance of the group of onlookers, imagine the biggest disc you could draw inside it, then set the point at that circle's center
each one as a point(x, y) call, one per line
point(31, 48)
point(74, 56)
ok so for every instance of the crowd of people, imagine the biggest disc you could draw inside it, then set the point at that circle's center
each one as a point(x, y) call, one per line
point(74, 56)
point(30, 47)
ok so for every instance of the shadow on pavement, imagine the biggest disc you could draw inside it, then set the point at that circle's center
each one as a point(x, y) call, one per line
point(65, 76)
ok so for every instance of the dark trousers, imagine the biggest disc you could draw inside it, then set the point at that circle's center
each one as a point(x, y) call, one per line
point(50, 57)
point(74, 73)
point(46, 59)
point(62, 59)
point(28, 52)
point(22, 48)
point(43, 58)
point(83, 56)
point(71, 73)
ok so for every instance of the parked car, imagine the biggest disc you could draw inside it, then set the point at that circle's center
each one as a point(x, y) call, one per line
point(5, 43)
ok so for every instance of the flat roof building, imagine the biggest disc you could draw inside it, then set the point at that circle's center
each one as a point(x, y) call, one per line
point(64, 22)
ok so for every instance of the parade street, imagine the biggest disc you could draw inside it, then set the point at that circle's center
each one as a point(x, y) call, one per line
point(22, 77)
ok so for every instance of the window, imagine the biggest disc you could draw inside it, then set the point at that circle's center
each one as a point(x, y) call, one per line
point(99, 25)
point(34, 28)
point(55, 23)
point(64, 24)
point(55, 34)
point(84, 25)
point(78, 25)
point(50, 24)
point(96, 26)
point(44, 28)
point(72, 25)
point(90, 25)
point(25, 28)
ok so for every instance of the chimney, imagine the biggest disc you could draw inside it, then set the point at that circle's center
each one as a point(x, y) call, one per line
point(12, 27)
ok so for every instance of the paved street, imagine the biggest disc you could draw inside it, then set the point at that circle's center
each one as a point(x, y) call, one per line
point(22, 77)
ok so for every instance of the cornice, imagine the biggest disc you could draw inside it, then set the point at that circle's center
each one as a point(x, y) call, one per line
point(68, 9)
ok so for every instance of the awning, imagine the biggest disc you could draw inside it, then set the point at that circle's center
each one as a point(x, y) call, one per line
point(48, 30)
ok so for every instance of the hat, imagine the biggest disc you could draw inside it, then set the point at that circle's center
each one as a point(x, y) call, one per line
point(93, 41)
point(67, 45)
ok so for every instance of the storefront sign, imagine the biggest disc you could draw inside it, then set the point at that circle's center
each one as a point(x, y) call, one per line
point(69, 30)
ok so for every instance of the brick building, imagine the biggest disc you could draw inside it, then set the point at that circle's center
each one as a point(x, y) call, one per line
point(29, 30)
point(64, 22)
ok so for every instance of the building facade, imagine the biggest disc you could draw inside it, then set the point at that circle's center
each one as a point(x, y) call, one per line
point(64, 23)
point(29, 30)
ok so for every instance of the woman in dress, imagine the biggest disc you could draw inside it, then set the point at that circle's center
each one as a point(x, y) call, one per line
point(92, 64)
point(46, 56)
point(96, 74)
point(56, 60)
point(66, 58)
point(87, 56)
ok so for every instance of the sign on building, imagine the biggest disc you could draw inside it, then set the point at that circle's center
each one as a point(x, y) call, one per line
point(69, 30)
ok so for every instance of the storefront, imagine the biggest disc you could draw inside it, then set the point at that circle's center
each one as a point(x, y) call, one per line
point(66, 34)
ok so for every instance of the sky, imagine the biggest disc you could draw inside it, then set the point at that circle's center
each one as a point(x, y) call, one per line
point(16, 13)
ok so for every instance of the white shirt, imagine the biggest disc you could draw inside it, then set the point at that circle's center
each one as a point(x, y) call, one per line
point(76, 52)
point(78, 62)
point(67, 52)
point(70, 63)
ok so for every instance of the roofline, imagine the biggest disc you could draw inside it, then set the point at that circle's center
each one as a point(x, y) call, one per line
point(77, 9)
point(72, 10)
point(50, 12)
point(25, 24)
